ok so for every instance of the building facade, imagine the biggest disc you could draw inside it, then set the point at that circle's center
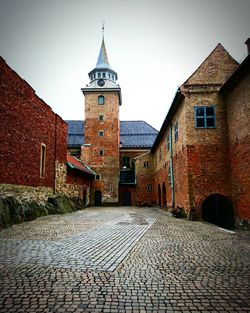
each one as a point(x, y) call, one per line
point(33, 146)
point(199, 160)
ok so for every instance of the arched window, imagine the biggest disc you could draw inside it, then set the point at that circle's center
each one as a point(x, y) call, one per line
point(101, 100)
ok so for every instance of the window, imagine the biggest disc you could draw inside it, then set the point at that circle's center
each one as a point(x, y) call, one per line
point(205, 117)
point(101, 118)
point(146, 164)
point(97, 177)
point(176, 132)
point(169, 175)
point(103, 75)
point(168, 142)
point(101, 100)
point(101, 133)
point(126, 162)
point(160, 155)
point(99, 75)
point(42, 160)
point(101, 152)
point(149, 188)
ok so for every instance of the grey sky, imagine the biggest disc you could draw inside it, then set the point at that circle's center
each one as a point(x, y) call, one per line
point(154, 46)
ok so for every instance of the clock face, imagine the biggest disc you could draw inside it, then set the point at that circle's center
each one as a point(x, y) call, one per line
point(101, 82)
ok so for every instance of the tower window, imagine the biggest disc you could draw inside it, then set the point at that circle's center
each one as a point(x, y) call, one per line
point(42, 160)
point(146, 164)
point(101, 118)
point(109, 76)
point(103, 75)
point(101, 152)
point(101, 133)
point(160, 155)
point(99, 75)
point(101, 100)
point(97, 177)
point(204, 117)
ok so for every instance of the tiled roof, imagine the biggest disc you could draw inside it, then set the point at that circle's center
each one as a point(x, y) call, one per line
point(134, 134)
point(73, 162)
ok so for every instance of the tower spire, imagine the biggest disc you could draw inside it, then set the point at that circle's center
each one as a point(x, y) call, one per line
point(103, 70)
point(103, 22)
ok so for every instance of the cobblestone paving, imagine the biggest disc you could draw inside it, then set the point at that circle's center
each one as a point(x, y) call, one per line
point(123, 260)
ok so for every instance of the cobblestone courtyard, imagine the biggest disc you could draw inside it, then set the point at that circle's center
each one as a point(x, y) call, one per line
point(123, 260)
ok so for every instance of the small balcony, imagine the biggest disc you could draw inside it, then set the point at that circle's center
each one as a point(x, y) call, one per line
point(127, 177)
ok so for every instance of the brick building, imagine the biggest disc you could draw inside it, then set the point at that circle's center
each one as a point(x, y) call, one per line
point(107, 145)
point(201, 154)
point(33, 145)
point(198, 161)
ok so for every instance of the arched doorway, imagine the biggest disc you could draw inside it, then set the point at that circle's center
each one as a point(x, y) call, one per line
point(164, 195)
point(98, 198)
point(218, 210)
point(159, 195)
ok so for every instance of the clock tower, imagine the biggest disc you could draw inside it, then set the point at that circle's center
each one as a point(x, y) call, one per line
point(102, 130)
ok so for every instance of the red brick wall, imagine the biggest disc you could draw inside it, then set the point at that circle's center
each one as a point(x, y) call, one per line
point(107, 166)
point(238, 108)
point(73, 177)
point(209, 172)
point(26, 122)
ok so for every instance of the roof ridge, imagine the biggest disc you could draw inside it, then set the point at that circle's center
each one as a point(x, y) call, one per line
point(219, 45)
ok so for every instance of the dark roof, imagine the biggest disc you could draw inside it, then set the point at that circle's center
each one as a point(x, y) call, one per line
point(133, 134)
point(176, 101)
point(238, 75)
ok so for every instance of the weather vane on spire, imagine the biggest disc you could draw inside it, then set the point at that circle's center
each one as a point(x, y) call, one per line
point(103, 22)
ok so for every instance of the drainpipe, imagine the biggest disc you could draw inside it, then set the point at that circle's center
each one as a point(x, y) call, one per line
point(171, 165)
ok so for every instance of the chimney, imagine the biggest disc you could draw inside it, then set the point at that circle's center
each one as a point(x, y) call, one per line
point(248, 45)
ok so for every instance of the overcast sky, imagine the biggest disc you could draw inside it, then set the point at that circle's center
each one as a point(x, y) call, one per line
point(153, 45)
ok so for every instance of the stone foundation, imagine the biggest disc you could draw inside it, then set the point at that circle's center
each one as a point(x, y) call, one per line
point(26, 193)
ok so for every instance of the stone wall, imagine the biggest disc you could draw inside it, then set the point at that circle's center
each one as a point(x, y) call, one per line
point(26, 193)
